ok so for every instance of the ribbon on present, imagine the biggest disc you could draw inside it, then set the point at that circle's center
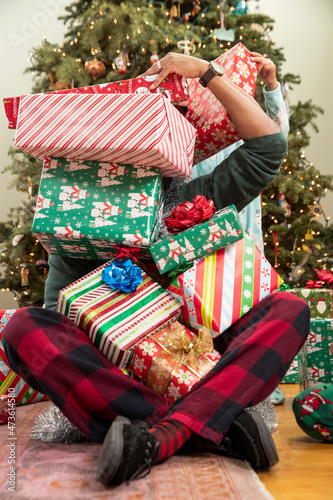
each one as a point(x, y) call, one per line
point(188, 214)
point(283, 288)
point(178, 349)
point(180, 269)
point(122, 275)
point(325, 276)
point(128, 253)
point(315, 284)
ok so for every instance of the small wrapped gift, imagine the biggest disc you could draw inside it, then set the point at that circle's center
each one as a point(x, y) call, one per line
point(173, 87)
point(116, 320)
point(137, 129)
point(197, 241)
point(10, 382)
point(85, 209)
point(173, 360)
point(223, 287)
point(315, 359)
point(320, 301)
point(205, 112)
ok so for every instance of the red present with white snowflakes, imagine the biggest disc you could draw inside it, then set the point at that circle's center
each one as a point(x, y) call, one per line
point(173, 360)
point(224, 286)
point(10, 382)
point(205, 112)
point(174, 87)
point(135, 129)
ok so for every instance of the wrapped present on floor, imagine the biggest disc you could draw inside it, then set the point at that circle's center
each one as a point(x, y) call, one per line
point(84, 208)
point(115, 320)
point(224, 286)
point(291, 377)
point(174, 87)
point(137, 129)
point(315, 359)
point(9, 380)
point(205, 112)
point(320, 301)
point(173, 360)
point(197, 241)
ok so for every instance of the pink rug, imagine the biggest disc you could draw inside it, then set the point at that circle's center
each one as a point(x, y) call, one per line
point(67, 472)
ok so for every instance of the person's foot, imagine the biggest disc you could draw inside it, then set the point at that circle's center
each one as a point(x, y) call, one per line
point(127, 452)
point(248, 438)
point(277, 396)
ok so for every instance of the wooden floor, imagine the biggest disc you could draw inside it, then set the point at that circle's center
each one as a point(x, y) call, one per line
point(305, 469)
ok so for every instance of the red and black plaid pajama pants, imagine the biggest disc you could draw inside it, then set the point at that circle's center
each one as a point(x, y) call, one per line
point(58, 359)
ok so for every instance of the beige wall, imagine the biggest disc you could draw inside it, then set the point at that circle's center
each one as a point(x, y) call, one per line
point(302, 28)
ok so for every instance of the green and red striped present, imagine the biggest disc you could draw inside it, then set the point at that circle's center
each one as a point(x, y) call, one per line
point(224, 286)
point(24, 394)
point(115, 321)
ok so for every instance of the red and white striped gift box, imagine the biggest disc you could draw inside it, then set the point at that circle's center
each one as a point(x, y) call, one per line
point(137, 129)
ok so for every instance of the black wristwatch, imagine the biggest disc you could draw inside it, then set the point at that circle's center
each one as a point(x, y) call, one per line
point(215, 69)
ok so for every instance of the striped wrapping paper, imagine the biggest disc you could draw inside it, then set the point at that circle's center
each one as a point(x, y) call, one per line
point(113, 320)
point(9, 379)
point(137, 129)
point(224, 286)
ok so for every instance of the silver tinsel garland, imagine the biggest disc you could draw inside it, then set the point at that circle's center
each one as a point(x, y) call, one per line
point(52, 426)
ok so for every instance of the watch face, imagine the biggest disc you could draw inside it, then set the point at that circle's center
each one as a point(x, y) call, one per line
point(217, 67)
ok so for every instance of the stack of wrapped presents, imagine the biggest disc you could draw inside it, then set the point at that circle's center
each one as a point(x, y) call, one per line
point(314, 363)
point(105, 150)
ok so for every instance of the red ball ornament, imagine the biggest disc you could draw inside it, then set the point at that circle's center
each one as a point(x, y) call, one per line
point(94, 68)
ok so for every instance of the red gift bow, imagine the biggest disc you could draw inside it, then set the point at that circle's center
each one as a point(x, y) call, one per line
point(326, 276)
point(188, 214)
point(128, 253)
point(314, 284)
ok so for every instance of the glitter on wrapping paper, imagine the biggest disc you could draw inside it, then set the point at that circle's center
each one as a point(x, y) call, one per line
point(51, 426)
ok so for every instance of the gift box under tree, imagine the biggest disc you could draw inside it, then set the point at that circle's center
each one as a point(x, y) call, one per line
point(320, 301)
point(291, 377)
point(114, 320)
point(24, 394)
point(224, 286)
point(197, 241)
point(315, 359)
point(86, 208)
point(137, 129)
point(205, 112)
point(173, 360)
point(174, 87)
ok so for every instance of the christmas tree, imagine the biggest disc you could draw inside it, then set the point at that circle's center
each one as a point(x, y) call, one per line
point(109, 41)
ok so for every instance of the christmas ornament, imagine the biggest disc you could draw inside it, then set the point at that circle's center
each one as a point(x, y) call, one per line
point(284, 205)
point(258, 27)
point(222, 33)
point(240, 7)
point(186, 46)
point(94, 68)
point(17, 239)
point(42, 265)
point(153, 58)
point(121, 61)
point(276, 244)
point(315, 210)
point(60, 85)
point(311, 248)
point(24, 275)
point(196, 7)
point(326, 276)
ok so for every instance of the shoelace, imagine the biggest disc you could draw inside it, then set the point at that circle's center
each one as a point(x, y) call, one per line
point(146, 464)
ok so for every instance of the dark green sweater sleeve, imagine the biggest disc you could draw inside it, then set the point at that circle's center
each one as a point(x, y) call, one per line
point(242, 176)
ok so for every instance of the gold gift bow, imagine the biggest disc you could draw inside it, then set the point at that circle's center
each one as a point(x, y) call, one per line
point(183, 350)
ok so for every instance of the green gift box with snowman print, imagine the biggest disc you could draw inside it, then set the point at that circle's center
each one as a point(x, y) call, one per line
point(86, 208)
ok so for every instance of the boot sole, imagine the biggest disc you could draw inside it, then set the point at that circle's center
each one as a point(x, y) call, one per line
point(112, 451)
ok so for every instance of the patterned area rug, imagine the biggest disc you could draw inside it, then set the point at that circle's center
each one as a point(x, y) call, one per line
point(67, 472)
